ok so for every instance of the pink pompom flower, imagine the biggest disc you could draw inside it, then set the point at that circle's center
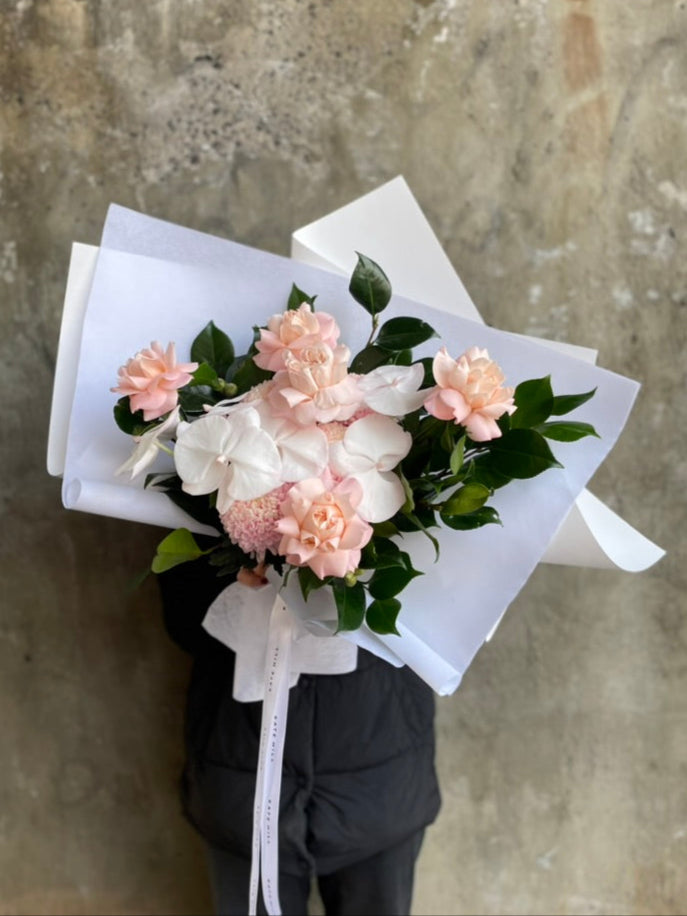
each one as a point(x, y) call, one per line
point(321, 529)
point(252, 523)
point(470, 391)
point(151, 380)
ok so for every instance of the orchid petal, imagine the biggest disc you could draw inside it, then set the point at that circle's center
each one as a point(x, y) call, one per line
point(199, 454)
point(343, 463)
point(232, 455)
point(147, 446)
point(368, 452)
point(393, 390)
point(303, 450)
point(378, 439)
point(383, 495)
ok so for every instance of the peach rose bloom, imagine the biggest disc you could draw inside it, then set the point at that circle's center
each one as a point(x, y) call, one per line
point(321, 529)
point(315, 386)
point(470, 391)
point(151, 379)
point(293, 330)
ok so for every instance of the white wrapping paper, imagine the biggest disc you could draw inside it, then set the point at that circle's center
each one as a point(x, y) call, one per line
point(153, 280)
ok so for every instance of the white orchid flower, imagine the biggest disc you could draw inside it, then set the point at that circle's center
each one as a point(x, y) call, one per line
point(393, 390)
point(148, 445)
point(369, 451)
point(304, 451)
point(232, 455)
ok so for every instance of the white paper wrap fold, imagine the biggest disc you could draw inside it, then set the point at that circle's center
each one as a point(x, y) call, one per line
point(152, 280)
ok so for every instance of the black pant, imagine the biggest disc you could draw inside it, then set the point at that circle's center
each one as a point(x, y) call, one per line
point(381, 885)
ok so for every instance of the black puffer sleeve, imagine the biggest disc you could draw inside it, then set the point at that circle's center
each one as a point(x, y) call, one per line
point(187, 592)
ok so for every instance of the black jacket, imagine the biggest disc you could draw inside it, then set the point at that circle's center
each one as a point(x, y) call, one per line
point(358, 771)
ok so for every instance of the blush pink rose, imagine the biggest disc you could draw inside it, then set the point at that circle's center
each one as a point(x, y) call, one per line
point(321, 529)
point(315, 386)
point(470, 391)
point(151, 379)
point(293, 330)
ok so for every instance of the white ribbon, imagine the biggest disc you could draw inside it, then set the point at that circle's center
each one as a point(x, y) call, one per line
point(265, 854)
point(274, 644)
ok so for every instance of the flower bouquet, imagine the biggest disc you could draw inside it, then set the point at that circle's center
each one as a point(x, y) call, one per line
point(149, 278)
point(396, 499)
point(316, 464)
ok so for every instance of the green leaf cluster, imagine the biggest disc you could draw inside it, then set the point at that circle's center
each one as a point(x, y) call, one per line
point(370, 593)
point(393, 342)
point(449, 478)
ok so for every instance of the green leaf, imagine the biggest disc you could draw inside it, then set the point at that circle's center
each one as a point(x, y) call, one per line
point(309, 581)
point(137, 580)
point(385, 529)
point(456, 459)
point(427, 362)
point(521, 453)
point(350, 605)
point(214, 347)
point(446, 438)
point(568, 431)
point(429, 428)
point(381, 616)
point(564, 403)
point(193, 398)
point(409, 503)
point(370, 358)
point(163, 481)
point(414, 463)
point(297, 297)
point(403, 358)
point(389, 581)
point(467, 499)
point(534, 402)
point(401, 333)
point(198, 507)
point(204, 375)
point(228, 558)
point(130, 423)
point(369, 285)
point(482, 472)
point(487, 515)
point(178, 547)
point(388, 553)
point(504, 423)
point(248, 374)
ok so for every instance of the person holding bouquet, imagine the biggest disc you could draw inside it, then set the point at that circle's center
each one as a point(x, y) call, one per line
point(359, 783)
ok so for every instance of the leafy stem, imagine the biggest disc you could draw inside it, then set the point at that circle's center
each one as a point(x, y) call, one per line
point(375, 328)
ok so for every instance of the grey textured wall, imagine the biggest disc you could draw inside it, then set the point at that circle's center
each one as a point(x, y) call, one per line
point(547, 144)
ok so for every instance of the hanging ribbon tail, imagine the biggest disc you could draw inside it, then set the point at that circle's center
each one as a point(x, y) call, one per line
point(265, 854)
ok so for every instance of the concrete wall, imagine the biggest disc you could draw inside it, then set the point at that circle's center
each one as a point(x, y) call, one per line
point(547, 144)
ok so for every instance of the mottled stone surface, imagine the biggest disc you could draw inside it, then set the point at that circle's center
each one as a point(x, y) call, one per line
point(547, 144)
